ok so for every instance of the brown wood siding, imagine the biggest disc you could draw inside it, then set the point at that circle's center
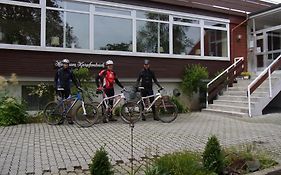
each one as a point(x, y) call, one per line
point(41, 64)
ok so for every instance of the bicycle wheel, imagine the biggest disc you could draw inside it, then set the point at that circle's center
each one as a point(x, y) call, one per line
point(166, 110)
point(87, 119)
point(53, 113)
point(130, 112)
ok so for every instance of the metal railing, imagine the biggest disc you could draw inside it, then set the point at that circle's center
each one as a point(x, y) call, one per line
point(224, 79)
point(266, 73)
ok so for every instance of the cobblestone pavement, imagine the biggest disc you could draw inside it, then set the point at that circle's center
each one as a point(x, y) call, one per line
point(68, 149)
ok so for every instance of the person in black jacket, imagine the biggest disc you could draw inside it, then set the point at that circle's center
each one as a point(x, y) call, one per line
point(147, 76)
point(63, 78)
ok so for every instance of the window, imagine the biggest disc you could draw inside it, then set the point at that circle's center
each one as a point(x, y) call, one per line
point(152, 37)
point(19, 25)
point(215, 24)
point(112, 33)
point(55, 3)
point(186, 40)
point(153, 16)
point(34, 102)
point(215, 43)
point(30, 1)
point(77, 30)
point(186, 20)
point(54, 28)
point(118, 11)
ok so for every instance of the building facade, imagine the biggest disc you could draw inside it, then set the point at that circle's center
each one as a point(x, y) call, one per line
point(35, 35)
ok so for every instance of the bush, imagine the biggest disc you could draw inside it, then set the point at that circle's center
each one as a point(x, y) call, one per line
point(191, 79)
point(213, 159)
point(101, 164)
point(12, 112)
point(178, 164)
point(180, 106)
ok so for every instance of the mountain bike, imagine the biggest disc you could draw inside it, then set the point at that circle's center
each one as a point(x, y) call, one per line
point(56, 112)
point(166, 110)
point(105, 108)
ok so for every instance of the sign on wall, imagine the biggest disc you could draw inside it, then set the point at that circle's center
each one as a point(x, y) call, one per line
point(80, 64)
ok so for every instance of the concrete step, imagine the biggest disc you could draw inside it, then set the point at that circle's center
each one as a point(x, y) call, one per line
point(238, 98)
point(242, 93)
point(228, 108)
point(237, 88)
point(228, 113)
point(232, 103)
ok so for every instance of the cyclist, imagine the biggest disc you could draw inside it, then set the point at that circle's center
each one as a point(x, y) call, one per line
point(106, 80)
point(146, 76)
point(63, 78)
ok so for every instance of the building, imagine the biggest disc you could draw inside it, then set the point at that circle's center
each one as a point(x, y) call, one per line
point(36, 34)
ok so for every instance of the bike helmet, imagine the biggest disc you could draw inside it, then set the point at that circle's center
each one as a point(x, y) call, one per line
point(109, 62)
point(65, 61)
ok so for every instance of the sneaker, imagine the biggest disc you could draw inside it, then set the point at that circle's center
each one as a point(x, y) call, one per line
point(70, 122)
point(104, 120)
point(143, 118)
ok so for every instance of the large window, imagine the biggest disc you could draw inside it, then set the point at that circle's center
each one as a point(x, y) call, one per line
point(215, 42)
point(67, 27)
point(113, 33)
point(152, 32)
point(19, 25)
point(186, 40)
point(95, 28)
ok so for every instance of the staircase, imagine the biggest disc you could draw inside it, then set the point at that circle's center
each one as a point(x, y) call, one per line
point(234, 100)
point(255, 93)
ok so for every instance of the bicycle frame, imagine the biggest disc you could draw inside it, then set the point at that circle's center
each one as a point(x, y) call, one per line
point(106, 100)
point(156, 97)
point(76, 98)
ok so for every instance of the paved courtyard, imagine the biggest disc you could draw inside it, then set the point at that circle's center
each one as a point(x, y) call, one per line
point(68, 149)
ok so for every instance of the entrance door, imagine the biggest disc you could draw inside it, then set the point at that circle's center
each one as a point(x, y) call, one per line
point(261, 49)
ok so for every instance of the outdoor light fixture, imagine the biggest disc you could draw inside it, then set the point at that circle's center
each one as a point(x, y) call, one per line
point(239, 37)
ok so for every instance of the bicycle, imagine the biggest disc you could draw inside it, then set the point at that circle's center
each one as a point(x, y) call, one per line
point(166, 110)
point(56, 112)
point(106, 108)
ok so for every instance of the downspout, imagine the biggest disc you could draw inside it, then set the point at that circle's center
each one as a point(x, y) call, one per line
point(232, 34)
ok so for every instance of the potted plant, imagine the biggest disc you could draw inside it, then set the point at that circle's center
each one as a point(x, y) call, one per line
point(246, 75)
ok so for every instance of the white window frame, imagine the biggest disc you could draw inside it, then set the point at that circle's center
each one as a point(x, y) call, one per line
point(133, 9)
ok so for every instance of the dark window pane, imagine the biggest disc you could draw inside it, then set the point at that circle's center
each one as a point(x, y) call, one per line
point(215, 24)
point(33, 101)
point(77, 30)
point(151, 15)
point(186, 40)
point(19, 25)
point(215, 43)
point(186, 20)
point(30, 1)
point(113, 33)
point(54, 28)
point(54, 3)
point(152, 37)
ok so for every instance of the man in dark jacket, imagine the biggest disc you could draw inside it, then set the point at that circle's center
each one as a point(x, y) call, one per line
point(146, 76)
point(63, 78)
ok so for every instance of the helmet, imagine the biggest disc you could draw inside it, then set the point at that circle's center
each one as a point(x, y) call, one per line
point(109, 62)
point(65, 61)
point(146, 61)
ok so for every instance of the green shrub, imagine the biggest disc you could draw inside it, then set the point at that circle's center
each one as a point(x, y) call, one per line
point(177, 164)
point(213, 159)
point(180, 106)
point(101, 164)
point(12, 112)
point(191, 79)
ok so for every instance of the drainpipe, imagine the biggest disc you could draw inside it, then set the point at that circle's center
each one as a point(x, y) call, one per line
point(232, 31)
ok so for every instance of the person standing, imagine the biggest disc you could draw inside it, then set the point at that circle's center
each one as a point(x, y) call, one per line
point(147, 77)
point(105, 81)
point(63, 78)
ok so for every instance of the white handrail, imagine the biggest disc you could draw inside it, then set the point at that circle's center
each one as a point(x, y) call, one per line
point(236, 60)
point(267, 70)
